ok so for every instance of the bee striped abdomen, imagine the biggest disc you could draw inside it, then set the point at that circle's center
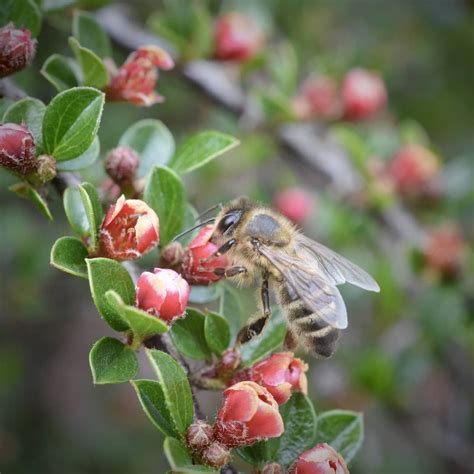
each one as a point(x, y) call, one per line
point(312, 332)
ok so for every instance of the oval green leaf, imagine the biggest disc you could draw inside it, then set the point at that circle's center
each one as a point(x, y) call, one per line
point(82, 161)
point(93, 208)
point(71, 122)
point(75, 211)
point(24, 190)
point(90, 34)
point(111, 361)
point(217, 333)
point(60, 72)
point(68, 255)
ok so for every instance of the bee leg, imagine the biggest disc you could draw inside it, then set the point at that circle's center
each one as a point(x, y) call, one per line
point(252, 330)
point(228, 272)
point(265, 297)
point(290, 342)
point(221, 250)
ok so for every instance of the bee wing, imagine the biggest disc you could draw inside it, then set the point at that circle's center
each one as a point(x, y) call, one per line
point(317, 293)
point(333, 266)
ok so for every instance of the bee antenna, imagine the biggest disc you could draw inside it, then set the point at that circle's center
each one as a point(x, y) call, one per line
point(207, 211)
point(201, 224)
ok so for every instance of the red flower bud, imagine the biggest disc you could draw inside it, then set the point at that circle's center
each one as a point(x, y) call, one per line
point(121, 164)
point(322, 459)
point(17, 148)
point(445, 250)
point(17, 49)
point(216, 455)
point(363, 94)
point(237, 38)
point(294, 203)
point(199, 435)
point(249, 414)
point(280, 374)
point(136, 80)
point(413, 168)
point(195, 269)
point(130, 229)
point(228, 363)
point(319, 98)
point(163, 293)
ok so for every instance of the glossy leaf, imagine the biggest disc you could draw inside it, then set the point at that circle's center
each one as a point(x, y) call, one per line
point(232, 308)
point(93, 208)
point(164, 192)
point(82, 161)
point(71, 122)
point(68, 255)
point(94, 72)
point(90, 34)
point(217, 333)
point(28, 111)
point(343, 430)
point(153, 402)
point(75, 211)
point(201, 148)
point(176, 389)
point(111, 361)
point(23, 14)
point(153, 142)
point(60, 71)
point(24, 190)
point(188, 335)
point(143, 324)
point(104, 275)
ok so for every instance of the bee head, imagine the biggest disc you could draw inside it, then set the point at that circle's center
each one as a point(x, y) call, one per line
point(230, 217)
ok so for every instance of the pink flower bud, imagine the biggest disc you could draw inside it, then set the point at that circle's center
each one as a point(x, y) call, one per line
point(130, 229)
point(322, 459)
point(163, 293)
point(136, 80)
point(445, 250)
point(17, 49)
point(17, 148)
point(172, 255)
point(294, 203)
point(280, 374)
point(363, 94)
point(237, 38)
point(229, 362)
point(121, 164)
point(413, 168)
point(319, 98)
point(199, 435)
point(249, 414)
point(216, 455)
point(195, 269)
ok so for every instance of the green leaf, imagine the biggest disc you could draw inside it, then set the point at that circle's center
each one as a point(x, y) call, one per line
point(90, 34)
point(28, 111)
point(93, 208)
point(60, 72)
point(217, 333)
point(94, 72)
point(111, 361)
point(201, 148)
point(270, 339)
point(71, 122)
point(24, 190)
point(152, 399)
point(68, 255)
point(343, 430)
point(164, 192)
point(82, 161)
point(104, 275)
point(180, 459)
point(204, 294)
point(23, 14)
point(75, 211)
point(143, 324)
point(188, 335)
point(55, 5)
point(232, 308)
point(153, 142)
point(176, 389)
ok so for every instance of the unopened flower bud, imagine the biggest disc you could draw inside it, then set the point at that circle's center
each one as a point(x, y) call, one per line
point(249, 414)
point(216, 455)
point(46, 168)
point(272, 468)
point(199, 435)
point(121, 164)
point(322, 459)
point(17, 49)
point(163, 293)
point(229, 362)
point(280, 374)
point(237, 38)
point(294, 203)
point(319, 98)
point(197, 266)
point(17, 148)
point(130, 229)
point(172, 255)
point(363, 94)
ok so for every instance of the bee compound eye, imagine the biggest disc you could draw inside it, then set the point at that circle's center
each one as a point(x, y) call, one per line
point(228, 221)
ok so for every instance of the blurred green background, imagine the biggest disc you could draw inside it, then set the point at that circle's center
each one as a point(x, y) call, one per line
point(407, 359)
